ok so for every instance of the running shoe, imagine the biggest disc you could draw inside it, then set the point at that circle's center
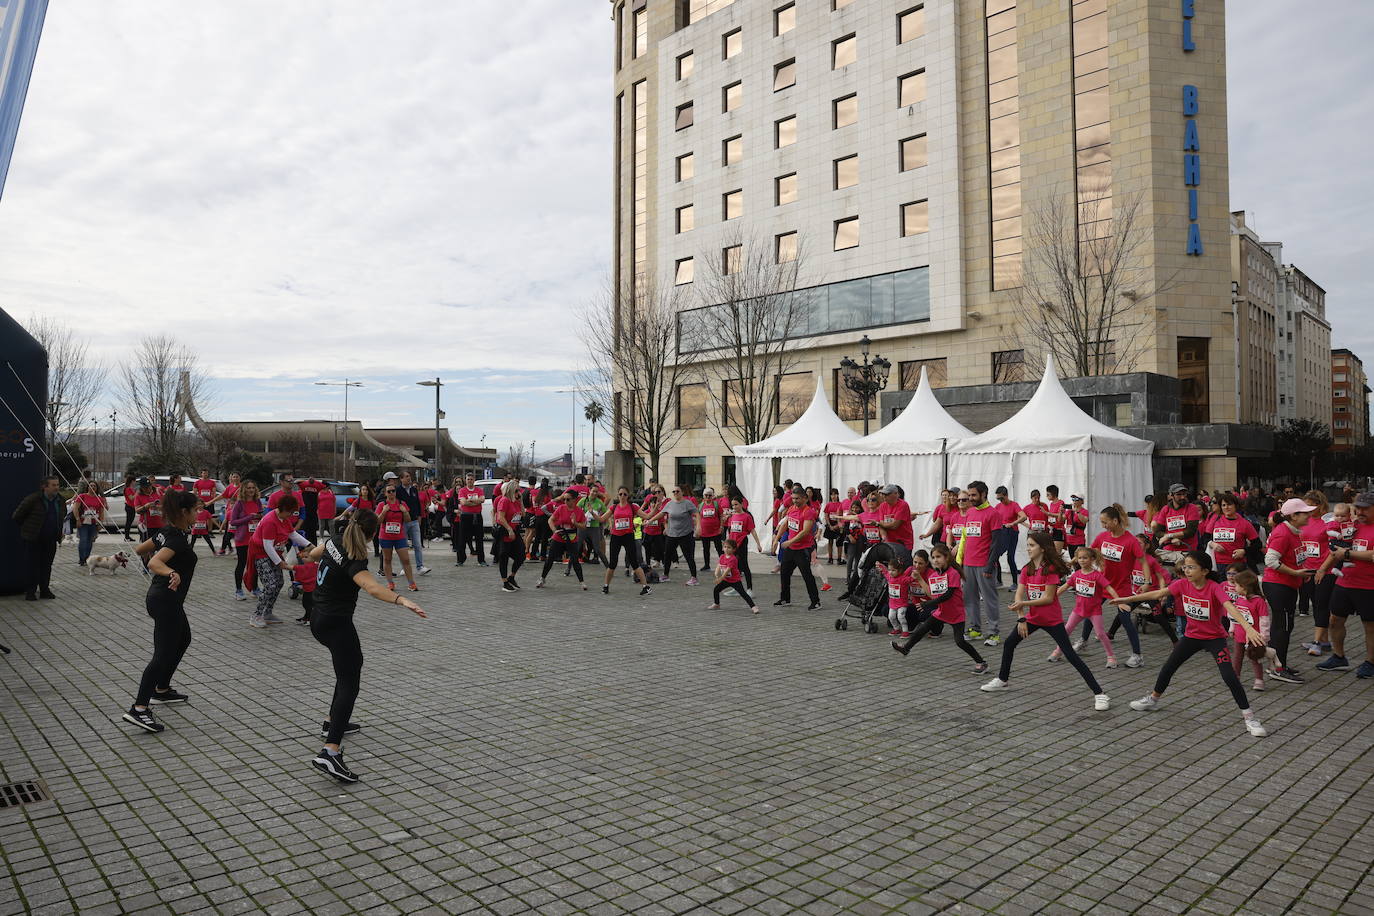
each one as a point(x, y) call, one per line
point(143, 719)
point(980, 667)
point(1258, 685)
point(1056, 657)
point(1079, 643)
point(1253, 726)
point(423, 570)
point(303, 621)
point(169, 697)
point(605, 589)
point(825, 587)
point(815, 605)
point(413, 587)
point(1334, 663)
point(1111, 663)
point(901, 645)
point(691, 581)
point(513, 582)
point(973, 633)
point(584, 586)
point(1366, 670)
point(539, 583)
point(352, 728)
point(1145, 703)
point(994, 685)
point(507, 587)
point(754, 609)
point(1313, 649)
point(645, 592)
point(333, 765)
point(1102, 702)
point(240, 595)
point(272, 618)
point(483, 563)
point(1134, 660)
point(782, 602)
point(993, 640)
point(257, 623)
point(1286, 674)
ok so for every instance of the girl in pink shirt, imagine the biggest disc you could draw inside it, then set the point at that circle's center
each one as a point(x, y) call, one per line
point(944, 605)
point(1255, 610)
point(1090, 588)
point(727, 576)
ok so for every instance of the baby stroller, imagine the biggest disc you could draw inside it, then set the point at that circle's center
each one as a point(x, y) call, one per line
point(865, 601)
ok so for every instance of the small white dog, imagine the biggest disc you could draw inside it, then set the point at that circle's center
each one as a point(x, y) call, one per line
point(111, 563)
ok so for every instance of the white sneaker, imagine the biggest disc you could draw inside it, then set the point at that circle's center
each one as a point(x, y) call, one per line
point(1135, 661)
point(691, 581)
point(1111, 663)
point(1254, 728)
point(993, 685)
point(1259, 684)
point(423, 570)
point(258, 623)
point(540, 583)
point(1055, 657)
point(1101, 702)
point(1078, 644)
point(584, 586)
point(1145, 703)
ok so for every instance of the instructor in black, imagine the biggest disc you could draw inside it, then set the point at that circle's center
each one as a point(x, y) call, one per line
point(343, 572)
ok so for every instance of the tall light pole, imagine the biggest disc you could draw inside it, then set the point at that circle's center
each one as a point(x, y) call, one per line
point(114, 459)
point(437, 386)
point(345, 385)
point(865, 379)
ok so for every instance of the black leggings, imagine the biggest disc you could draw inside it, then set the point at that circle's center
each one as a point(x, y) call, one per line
point(336, 633)
point(1283, 602)
point(510, 556)
point(209, 542)
point(627, 543)
point(241, 566)
point(128, 521)
point(706, 542)
point(171, 637)
point(742, 554)
point(653, 545)
point(1319, 594)
point(557, 550)
point(800, 560)
point(1123, 619)
point(670, 552)
point(933, 624)
point(540, 545)
point(1186, 648)
point(1061, 639)
point(737, 586)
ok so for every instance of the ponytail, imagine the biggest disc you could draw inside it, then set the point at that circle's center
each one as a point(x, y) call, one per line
point(358, 532)
point(177, 506)
point(1116, 513)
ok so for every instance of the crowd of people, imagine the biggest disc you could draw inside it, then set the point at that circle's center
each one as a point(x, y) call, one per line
point(1210, 572)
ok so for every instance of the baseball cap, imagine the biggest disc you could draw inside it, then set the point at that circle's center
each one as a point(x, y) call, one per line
point(890, 488)
point(1076, 498)
point(1177, 488)
point(1296, 505)
point(389, 475)
point(1363, 500)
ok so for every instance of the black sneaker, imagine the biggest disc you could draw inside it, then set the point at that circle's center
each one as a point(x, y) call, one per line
point(352, 728)
point(1287, 675)
point(483, 563)
point(171, 696)
point(813, 606)
point(507, 587)
point(782, 602)
point(645, 592)
point(605, 589)
point(143, 719)
point(902, 645)
point(843, 597)
point(333, 765)
point(46, 593)
point(514, 583)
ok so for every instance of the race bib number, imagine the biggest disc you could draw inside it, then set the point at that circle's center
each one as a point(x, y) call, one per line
point(708, 512)
point(393, 529)
point(622, 524)
point(1035, 591)
point(1310, 550)
point(1224, 535)
point(252, 526)
point(956, 531)
point(1112, 551)
point(154, 511)
point(974, 529)
point(793, 525)
point(938, 586)
point(1084, 588)
point(1245, 615)
point(1037, 525)
point(1176, 523)
point(894, 591)
point(1137, 579)
point(1359, 544)
point(874, 535)
point(89, 515)
point(198, 528)
point(736, 527)
point(1197, 608)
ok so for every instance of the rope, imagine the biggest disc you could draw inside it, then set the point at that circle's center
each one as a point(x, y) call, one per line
point(43, 413)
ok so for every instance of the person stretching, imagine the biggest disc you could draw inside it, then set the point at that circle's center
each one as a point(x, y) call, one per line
point(1249, 600)
point(1089, 586)
point(267, 551)
point(796, 536)
point(565, 522)
point(727, 576)
point(343, 573)
point(1037, 604)
point(1204, 604)
point(945, 605)
point(739, 527)
point(619, 519)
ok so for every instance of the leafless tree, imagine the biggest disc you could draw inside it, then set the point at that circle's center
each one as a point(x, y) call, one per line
point(1086, 286)
point(515, 463)
point(152, 388)
point(630, 340)
point(217, 444)
point(297, 453)
point(75, 378)
point(747, 335)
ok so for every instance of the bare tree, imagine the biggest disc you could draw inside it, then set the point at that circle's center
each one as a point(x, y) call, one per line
point(297, 453)
point(515, 464)
point(219, 443)
point(1086, 287)
point(153, 388)
point(75, 378)
point(746, 337)
point(630, 338)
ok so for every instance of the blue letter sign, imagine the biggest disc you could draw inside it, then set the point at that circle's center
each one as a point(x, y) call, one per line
point(1192, 158)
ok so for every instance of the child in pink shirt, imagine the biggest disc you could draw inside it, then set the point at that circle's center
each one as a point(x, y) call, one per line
point(1091, 588)
point(304, 575)
point(1252, 606)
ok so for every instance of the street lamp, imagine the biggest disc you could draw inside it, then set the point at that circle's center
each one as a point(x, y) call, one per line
point(865, 379)
point(345, 385)
point(437, 386)
point(114, 459)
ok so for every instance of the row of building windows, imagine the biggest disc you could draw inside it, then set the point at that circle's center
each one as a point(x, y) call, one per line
point(911, 89)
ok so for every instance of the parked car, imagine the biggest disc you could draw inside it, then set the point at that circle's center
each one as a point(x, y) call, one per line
point(114, 498)
point(344, 490)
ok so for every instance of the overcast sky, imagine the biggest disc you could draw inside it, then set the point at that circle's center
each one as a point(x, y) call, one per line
point(394, 191)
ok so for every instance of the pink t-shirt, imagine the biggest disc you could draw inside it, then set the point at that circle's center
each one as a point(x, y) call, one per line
point(622, 520)
point(275, 529)
point(709, 518)
point(1203, 608)
point(1315, 545)
point(202, 523)
point(1037, 516)
point(902, 534)
point(650, 507)
point(797, 516)
point(979, 526)
point(898, 589)
point(1229, 537)
point(942, 582)
point(1254, 609)
point(1075, 527)
point(728, 568)
point(872, 534)
point(471, 493)
point(1138, 581)
point(1039, 583)
point(89, 507)
point(204, 490)
point(1120, 554)
point(1090, 590)
point(1056, 513)
point(564, 522)
point(512, 510)
point(1007, 511)
point(306, 573)
point(739, 525)
point(1358, 573)
point(328, 506)
point(954, 525)
point(1288, 543)
point(1176, 520)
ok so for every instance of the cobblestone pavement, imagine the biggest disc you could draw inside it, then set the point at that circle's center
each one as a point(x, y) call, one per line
point(558, 751)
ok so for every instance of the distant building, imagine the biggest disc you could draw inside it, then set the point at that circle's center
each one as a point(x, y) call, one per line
point(1349, 402)
point(1254, 283)
point(1303, 336)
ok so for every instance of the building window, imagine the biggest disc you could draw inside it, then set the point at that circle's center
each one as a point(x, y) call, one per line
point(685, 116)
point(785, 247)
point(640, 183)
point(686, 218)
point(691, 406)
point(911, 24)
point(848, 403)
point(698, 10)
point(845, 111)
point(843, 52)
point(731, 259)
point(1092, 129)
point(911, 88)
point(914, 152)
point(732, 150)
point(915, 218)
point(785, 75)
point(794, 394)
point(1195, 380)
point(839, 4)
point(731, 43)
point(732, 204)
point(784, 189)
point(846, 172)
point(731, 96)
point(784, 19)
point(1008, 366)
point(686, 167)
point(909, 373)
point(846, 233)
point(784, 132)
point(641, 32)
point(1004, 142)
point(686, 271)
point(685, 65)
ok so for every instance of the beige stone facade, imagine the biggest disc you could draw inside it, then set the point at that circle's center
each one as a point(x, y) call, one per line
point(1186, 305)
point(1254, 296)
point(1349, 402)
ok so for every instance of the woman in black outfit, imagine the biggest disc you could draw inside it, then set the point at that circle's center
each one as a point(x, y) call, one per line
point(172, 563)
point(343, 572)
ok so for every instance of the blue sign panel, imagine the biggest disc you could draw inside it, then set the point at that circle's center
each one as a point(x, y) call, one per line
point(1192, 144)
point(21, 22)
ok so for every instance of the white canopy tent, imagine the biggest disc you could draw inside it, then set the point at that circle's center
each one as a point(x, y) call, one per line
point(910, 451)
point(802, 450)
point(1052, 441)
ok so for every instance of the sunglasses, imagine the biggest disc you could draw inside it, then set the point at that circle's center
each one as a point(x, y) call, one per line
point(963, 499)
point(391, 491)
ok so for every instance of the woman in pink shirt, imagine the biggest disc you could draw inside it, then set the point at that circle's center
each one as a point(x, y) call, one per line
point(1284, 573)
point(619, 521)
point(241, 520)
point(1121, 555)
point(944, 604)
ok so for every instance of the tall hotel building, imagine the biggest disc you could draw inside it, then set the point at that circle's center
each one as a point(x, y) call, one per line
point(910, 147)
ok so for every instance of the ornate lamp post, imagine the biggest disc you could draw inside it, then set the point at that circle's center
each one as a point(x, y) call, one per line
point(865, 379)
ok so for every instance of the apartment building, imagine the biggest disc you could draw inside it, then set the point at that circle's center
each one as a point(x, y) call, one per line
point(1349, 402)
point(1254, 292)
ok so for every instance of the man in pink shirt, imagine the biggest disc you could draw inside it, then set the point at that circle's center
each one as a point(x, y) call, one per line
point(1009, 519)
point(980, 525)
point(894, 517)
